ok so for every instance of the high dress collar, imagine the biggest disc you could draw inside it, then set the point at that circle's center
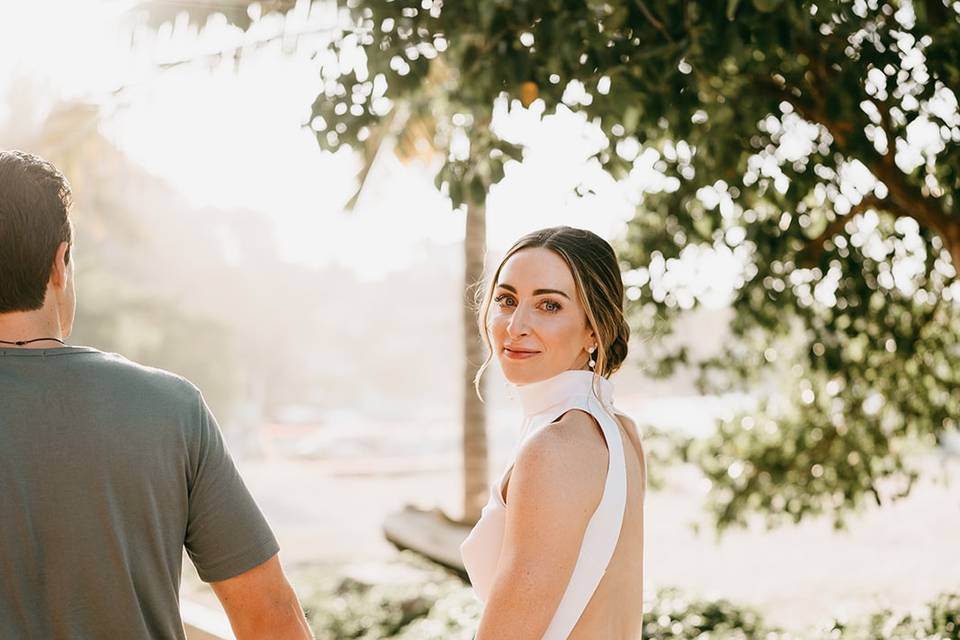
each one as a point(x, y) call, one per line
point(538, 397)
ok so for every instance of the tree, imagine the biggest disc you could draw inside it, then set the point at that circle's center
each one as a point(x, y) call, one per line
point(816, 144)
point(811, 143)
point(395, 72)
point(405, 89)
point(789, 136)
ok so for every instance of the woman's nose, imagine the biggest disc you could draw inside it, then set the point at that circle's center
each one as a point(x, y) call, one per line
point(518, 325)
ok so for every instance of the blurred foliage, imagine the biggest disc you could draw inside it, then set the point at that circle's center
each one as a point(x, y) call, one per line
point(811, 144)
point(791, 145)
point(675, 616)
point(238, 12)
point(432, 604)
point(662, 448)
point(426, 601)
point(417, 71)
point(783, 134)
point(940, 621)
point(125, 300)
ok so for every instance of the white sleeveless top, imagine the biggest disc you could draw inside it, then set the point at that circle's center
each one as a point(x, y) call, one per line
point(543, 403)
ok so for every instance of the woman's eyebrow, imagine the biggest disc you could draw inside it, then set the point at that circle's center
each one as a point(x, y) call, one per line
point(537, 292)
point(543, 292)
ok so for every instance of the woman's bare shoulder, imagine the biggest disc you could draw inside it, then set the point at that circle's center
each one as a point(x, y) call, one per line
point(568, 458)
point(575, 435)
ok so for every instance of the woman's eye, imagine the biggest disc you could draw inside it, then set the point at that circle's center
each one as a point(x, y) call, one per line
point(551, 306)
point(504, 301)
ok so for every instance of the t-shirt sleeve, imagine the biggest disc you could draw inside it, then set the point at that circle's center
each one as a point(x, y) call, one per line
point(226, 532)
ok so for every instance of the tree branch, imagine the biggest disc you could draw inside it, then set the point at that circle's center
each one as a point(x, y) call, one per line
point(907, 200)
point(252, 44)
point(886, 123)
point(808, 110)
point(904, 198)
point(811, 254)
point(657, 24)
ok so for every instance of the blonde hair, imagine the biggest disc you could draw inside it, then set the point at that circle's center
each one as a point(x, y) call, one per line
point(599, 286)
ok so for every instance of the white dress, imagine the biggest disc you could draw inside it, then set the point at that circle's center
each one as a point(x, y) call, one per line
point(543, 403)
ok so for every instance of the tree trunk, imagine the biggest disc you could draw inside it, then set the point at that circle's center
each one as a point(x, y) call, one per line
point(475, 485)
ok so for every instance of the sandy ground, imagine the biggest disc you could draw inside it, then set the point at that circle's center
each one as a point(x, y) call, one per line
point(799, 576)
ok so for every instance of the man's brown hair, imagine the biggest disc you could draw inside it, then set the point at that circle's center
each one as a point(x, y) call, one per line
point(34, 207)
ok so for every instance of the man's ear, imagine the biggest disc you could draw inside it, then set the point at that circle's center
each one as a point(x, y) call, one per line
point(61, 266)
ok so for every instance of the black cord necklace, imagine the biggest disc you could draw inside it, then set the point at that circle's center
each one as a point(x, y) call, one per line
point(20, 343)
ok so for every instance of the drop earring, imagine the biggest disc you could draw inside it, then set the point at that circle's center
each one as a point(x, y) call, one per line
point(592, 363)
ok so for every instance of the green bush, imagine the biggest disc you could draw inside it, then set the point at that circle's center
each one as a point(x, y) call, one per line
point(368, 613)
point(429, 603)
point(673, 616)
point(453, 617)
point(426, 603)
point(436, 605)
point(940, 620)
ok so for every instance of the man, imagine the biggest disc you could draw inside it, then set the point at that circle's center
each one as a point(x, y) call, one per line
point(108, 469)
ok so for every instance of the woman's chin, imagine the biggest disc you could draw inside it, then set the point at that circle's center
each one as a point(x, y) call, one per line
point(521, 372)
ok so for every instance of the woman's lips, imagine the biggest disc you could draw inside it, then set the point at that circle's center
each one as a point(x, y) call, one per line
point(519, 354)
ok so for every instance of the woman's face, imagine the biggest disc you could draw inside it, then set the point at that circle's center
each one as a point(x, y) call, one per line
point(538, 326)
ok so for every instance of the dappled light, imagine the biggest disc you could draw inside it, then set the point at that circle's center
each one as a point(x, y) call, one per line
point(291, 204)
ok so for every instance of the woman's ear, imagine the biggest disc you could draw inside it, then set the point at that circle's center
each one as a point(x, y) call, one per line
point(590, 340)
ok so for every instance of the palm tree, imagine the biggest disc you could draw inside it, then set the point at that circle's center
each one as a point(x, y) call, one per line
point(413, 141)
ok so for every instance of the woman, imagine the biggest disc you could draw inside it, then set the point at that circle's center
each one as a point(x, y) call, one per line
point(558, 551)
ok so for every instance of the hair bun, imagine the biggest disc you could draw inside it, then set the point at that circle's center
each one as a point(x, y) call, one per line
point(618, 348)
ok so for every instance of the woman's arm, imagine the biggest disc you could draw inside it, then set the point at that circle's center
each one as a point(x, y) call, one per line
point(556, 485)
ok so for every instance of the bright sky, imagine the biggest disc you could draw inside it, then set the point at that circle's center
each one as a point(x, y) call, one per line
point(230, 137)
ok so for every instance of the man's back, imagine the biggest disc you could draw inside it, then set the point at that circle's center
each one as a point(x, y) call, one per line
point(107, 470)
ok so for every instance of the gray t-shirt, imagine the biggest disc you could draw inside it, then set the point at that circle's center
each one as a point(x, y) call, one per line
point(108, 469)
